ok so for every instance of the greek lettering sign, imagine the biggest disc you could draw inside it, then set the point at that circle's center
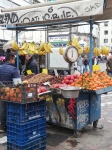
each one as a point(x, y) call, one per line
point(54, 12)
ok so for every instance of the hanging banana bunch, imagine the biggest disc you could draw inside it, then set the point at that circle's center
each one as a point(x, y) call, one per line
point(80, 50)
point(75, 42)
point(47, 47)
point(87, 50)
point(69, 43)
point(25, 46)
point(61, 51)
point(15, 45)
point(97, 51)
point(105, 50)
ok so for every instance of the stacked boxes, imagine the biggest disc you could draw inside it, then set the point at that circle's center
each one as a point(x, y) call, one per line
point(26, 126)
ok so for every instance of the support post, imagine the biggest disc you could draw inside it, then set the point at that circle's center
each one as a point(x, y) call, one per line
point(17, 51)
point(91, 45)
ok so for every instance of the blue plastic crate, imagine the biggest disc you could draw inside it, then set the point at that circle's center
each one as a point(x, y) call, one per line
point(24, 133)
point(25, 112)
point(38, 144)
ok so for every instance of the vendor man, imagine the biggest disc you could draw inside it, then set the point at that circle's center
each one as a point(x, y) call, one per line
point(7, 72)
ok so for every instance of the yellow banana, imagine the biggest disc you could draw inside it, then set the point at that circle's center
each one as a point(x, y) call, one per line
point(25, 46)
point(61, 51)
point(15, 45)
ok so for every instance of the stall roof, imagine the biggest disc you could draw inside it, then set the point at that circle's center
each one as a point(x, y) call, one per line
point(107, 14)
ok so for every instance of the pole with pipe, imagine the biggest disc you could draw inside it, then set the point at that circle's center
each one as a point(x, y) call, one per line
point(91, 45)
point(17, 51)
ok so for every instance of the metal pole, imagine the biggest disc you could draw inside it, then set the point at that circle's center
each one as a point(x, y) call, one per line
point(17, 51)
point(91, 46)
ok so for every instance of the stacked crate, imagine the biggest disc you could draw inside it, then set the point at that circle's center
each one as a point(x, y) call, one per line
point(26, 126)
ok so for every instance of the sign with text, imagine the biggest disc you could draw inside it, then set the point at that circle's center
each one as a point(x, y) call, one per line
point(54, 12)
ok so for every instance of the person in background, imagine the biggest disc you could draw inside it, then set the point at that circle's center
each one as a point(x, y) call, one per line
point(85, 64)
point(7, 72)
point(31, 65)
point(80, 64)
point(109, 65)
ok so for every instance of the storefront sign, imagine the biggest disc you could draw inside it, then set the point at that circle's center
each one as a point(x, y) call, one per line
point(54, 12)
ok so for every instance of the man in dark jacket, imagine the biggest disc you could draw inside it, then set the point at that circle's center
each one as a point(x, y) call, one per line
point(31, 64)
point(7, 72)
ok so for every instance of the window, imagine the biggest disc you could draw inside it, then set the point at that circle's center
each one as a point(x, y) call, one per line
point(105, 40)
point(105, 32)
point(106, 24)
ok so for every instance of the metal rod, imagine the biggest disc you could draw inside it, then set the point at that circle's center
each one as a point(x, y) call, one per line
point(45, 24)
point(91, 45)
point(17, 51)
point(37, 5)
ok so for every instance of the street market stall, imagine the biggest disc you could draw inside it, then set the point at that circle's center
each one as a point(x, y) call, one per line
point(71, 111)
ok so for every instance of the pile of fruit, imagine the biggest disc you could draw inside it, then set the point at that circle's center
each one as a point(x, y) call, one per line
point(22, 93)
point(67, 80)
point(40, 78)
point(96, 81)
point(32, 48)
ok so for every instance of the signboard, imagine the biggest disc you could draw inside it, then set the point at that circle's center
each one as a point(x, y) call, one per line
point(58, 40)
point(54, 12)
point(56, 61)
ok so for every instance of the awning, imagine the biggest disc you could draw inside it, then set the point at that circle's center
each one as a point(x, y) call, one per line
point(69, 12)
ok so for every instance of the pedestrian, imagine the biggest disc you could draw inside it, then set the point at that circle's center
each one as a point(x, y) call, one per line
point(7, 72)
point(85, 64)
point(109, 65)
point(80, 64)
point(31, 65)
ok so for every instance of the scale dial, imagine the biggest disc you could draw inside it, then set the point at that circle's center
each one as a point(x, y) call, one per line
point(71, 54)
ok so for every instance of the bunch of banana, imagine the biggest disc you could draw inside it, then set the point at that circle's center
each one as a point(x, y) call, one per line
point(97, 51)
point(61, 51)
point(80, 50)
point(47, 47)
point(75, 42)
point(105, 50)
point(20, 53)
point(15, 45)
point(25, 46)
point(69, 43)
point(32, 48)
point(87, 49)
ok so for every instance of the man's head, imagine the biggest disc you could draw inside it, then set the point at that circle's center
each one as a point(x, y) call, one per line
point(10, 58)
point(28, 56)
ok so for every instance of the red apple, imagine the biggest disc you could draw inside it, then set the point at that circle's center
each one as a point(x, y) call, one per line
point(71, 81)
point(43, 89)
point(67, 81)
point(68, 77)
point(39, 90)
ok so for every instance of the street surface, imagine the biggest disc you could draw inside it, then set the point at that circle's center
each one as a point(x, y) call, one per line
point(91, 139)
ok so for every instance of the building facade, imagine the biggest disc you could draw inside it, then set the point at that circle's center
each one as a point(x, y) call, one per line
point(106, 34)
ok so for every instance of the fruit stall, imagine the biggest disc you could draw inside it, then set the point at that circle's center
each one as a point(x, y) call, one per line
point(72, 101)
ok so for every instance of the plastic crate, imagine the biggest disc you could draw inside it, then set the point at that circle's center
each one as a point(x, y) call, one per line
point(38, 144)
point(22, 134)
point(21, 113)
point(24, 93)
